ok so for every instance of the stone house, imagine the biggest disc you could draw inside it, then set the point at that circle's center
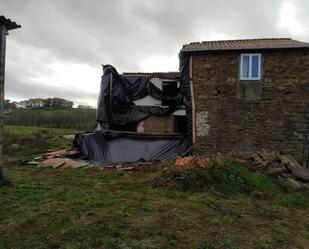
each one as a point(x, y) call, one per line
point(249, 94)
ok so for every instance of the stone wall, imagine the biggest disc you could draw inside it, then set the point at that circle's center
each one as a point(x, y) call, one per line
point(157, 124)
point(276, 119)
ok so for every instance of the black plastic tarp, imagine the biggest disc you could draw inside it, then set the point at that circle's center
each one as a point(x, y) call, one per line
point(116, 107)
point(185, 89)
point(118, 93)
point(113, 146)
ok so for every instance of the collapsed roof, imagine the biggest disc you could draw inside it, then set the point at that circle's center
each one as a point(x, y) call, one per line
point(115, 103)
point(116, 107)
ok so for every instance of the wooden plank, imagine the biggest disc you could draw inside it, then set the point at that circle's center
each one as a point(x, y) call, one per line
point(143, 135)
point(192, 100)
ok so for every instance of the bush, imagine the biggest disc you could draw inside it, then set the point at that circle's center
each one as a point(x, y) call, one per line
point(231, 178)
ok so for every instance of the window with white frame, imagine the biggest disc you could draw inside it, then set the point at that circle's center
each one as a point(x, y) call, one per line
point(250, 66)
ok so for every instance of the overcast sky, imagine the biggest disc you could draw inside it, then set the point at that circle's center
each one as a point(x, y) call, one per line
point(62, 43)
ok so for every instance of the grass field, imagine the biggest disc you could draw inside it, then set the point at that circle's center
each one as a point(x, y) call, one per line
point(24, 142)
point(83, 119)
point(94, 208)
point(27, 130)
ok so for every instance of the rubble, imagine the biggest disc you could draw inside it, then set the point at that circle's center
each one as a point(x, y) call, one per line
point(195, 161)
point(14, 146)
point(52, 162)
point(136, 166)
point(69, 159)
point(33, 162)
point(273, 164)
point(74, 164)
point(183, 161)
point(63, 153)
point(58, 159)
point(70, 137)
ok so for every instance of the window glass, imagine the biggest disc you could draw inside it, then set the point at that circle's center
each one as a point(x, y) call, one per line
point(255, 66)
point(250, 67)
point(245, 66)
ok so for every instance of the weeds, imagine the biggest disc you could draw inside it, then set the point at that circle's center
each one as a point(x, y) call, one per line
point(226, 177)
point(281, 235)
point(292, 200)
point(230, 243)
point(206, 245)
point(231, 178)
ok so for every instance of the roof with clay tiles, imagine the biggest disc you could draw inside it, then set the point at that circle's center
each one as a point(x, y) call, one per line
point(246, 44)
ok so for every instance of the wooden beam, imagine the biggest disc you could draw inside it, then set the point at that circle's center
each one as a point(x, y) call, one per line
point(192, 100)
point(8, 23)
point(3, 32)
point(5, 25)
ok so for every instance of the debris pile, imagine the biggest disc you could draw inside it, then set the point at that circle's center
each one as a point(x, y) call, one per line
point(273, 164)
point(58, 159)
point(188, 173)
point(199, 162)
point(233, 173)
point(136, 166)
point(70, 158)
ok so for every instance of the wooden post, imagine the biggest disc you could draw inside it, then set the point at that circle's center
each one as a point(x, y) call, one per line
point(5, 25)
point(193, 101)
point(2, 69)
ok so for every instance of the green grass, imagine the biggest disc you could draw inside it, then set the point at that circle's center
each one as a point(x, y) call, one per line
point(25, 142)
point(205, 245)
point(27, 130)
point(93, 208)
point(226, 177)
point(293, 200)
point(231, 178)
point(83, 119)
point(90, 208)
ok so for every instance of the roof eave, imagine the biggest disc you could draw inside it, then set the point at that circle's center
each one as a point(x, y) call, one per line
point(240, 49)
point(9, 25)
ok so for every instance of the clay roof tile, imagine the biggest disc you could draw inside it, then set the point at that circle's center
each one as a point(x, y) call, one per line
point(245, 44)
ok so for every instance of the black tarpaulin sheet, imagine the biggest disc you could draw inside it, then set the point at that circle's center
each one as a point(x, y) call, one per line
point(118, 147)
point(117, 93)
point(116, 107)
point(185, 90)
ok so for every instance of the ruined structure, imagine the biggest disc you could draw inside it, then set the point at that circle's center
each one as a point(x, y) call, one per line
point(141, 117)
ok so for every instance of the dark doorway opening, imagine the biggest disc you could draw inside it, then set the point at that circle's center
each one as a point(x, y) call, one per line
point(169, 90)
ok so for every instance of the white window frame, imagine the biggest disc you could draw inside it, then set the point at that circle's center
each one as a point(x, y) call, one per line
point(250, 67)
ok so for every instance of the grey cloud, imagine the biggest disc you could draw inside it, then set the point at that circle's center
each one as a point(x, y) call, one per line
point(96, 31)
point(22, 89)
